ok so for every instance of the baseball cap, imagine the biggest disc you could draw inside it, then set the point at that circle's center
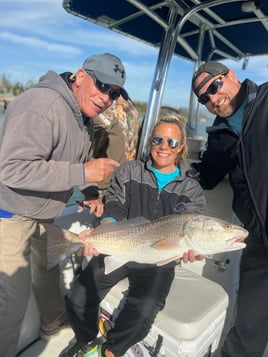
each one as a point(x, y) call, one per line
point(108, 69)
point(213, 69)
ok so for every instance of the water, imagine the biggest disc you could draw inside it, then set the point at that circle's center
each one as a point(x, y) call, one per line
point(202, 124)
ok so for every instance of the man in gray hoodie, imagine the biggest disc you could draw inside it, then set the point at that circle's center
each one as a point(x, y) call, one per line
point(45, 151)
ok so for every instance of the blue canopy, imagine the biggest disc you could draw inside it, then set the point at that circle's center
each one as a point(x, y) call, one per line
point(195, 30)
point(211, 30)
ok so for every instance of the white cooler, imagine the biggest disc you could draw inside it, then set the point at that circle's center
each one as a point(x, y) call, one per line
point(191, 323)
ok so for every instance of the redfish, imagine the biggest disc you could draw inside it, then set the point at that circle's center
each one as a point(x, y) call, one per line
point(155, 242)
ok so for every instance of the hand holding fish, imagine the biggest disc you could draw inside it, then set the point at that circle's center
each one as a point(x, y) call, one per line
point(191, 257)
point(88, 249)
point(97, 170)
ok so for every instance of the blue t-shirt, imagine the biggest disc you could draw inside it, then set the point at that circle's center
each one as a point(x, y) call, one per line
point(164, 178)
point(235, 120)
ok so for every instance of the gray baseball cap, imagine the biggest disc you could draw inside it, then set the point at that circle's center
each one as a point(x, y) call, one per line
point(213, 69)
point(108, 69)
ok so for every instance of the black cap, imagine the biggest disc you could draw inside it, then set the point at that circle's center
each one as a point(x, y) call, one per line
point(213, 69)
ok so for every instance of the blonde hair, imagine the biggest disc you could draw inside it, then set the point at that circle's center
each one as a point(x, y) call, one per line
point(180, 121)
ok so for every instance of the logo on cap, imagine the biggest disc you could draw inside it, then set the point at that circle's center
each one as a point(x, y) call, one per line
point(118, 69)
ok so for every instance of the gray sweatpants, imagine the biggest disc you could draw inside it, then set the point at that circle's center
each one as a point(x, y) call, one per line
point(22, 267)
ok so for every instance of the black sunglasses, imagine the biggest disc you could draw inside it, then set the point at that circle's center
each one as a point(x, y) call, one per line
point(158, 139)
point(104, 88)
point(212, 89)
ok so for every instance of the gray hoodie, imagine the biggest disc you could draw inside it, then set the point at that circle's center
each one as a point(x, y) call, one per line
point(43, 143)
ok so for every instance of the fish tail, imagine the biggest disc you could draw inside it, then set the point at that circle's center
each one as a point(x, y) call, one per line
point(60, 245)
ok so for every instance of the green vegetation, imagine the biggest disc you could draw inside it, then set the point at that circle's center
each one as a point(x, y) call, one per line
point(9, 88)
point(141, 107)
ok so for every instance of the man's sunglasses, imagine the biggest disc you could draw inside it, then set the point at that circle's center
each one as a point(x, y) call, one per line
point(158, 139)
point(104, 88)
point(212, 89)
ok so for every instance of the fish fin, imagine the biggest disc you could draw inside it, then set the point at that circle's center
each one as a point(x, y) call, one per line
point(168, 243)
point(59, 244)
point(118, 226)
point(164, 262)
point(112, 264)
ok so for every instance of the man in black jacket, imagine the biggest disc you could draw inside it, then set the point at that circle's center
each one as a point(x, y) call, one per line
point(237, 146)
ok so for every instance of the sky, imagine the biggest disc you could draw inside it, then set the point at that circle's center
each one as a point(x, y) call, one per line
point(38, 35)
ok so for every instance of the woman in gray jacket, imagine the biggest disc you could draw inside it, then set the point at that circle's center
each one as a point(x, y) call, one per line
point(163, 185)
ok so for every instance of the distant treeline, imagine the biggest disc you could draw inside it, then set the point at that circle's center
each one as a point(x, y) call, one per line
point(142, 106)
point(13, 88)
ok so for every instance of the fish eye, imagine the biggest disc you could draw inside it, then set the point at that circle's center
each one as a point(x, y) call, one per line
point(227, 226)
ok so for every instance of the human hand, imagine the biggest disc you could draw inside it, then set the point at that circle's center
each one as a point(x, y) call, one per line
point(88, 249)
point(190, 257)
point(94, 205)
point(98, 169)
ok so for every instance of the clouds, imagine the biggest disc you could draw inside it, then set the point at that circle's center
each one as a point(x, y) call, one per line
point(39, 24)
point(38, 44)
point(27, 16)
point(39, 35)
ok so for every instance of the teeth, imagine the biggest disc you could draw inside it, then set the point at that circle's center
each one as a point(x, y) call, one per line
point(162, 154)
point(221, 102)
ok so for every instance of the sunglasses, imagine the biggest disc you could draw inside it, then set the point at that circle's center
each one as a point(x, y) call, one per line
point(212, 89)
point(157, 140)
point(104, 88)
